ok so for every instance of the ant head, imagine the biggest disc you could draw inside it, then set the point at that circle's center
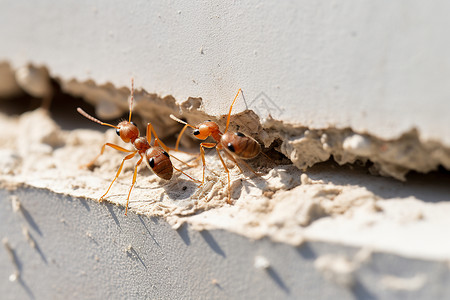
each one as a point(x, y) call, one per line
point(127, 131)
point(202, 131)
point(205, 129)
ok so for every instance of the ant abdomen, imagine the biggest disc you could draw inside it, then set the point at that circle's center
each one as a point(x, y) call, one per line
point(242, 146)
point(158, 160)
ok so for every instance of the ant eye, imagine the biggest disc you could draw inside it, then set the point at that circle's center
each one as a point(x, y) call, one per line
point(118, 131)
point(196, 132)
point(132, 123)
point(166, 154)
point(240, 134)
point(231, 147)
point(151, 162)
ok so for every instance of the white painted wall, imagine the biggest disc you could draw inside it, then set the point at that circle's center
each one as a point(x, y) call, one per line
point(381, 67)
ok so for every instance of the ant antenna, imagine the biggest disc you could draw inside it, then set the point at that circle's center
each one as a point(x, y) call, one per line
point(180, 121)
point(86, 115)
point(186, 125)
point(229, 114)
point(132, 98)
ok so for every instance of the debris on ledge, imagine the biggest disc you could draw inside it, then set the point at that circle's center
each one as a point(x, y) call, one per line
point(289, 203)
point(303, 146)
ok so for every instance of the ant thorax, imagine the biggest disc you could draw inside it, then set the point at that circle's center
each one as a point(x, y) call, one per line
point(141, 144)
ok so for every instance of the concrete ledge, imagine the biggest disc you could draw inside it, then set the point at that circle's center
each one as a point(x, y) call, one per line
point(60, 245)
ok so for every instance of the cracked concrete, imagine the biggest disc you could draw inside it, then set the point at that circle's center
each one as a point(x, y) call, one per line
point(290, 203)
point(303, 146)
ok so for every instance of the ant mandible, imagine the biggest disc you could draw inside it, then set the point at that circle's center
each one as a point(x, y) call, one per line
point(156, 157)
point(235, 144)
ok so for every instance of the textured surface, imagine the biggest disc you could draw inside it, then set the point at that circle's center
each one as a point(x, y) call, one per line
point(326, 203)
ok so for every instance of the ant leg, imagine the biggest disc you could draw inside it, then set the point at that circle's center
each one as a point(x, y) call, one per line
point(179, 137)
point(177, 144)
point(148, 134)
point(133, 182)
point(228, 173)
point(182, 131)
point(202, 153)
point(229, 113)
point(242, 161)
point(129, 156)
point(158, 142)
point(231, 157)
point(193, 179)
point(267, 156)
point(101, 152)
point(182, 161)
point(251, 169)
point(194, 160)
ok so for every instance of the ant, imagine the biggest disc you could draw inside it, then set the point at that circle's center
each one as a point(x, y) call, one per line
point(236, 145)
point(156, 157)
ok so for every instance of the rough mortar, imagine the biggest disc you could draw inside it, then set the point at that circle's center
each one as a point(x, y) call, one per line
point(286, 204)
point(304, 147)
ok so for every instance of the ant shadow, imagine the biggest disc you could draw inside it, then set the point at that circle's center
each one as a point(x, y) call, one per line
point(134, 255)
point(252, 178)
point(179, 188)
point(212, 243)
point(30, 219)
point(37, 248)
point(260, 182)
point(306, 252)
point(84, 203)
point(183, 232)
point(110, 208)
point(277, 279)
point(19, 267)
point(361, 292)
point(175, 189)
point(141, 218)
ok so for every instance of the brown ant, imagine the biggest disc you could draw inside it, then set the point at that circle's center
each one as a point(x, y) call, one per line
point(235, 144)
point(155, 157)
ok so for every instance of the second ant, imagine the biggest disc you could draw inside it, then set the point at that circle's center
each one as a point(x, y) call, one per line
point(235, 144)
